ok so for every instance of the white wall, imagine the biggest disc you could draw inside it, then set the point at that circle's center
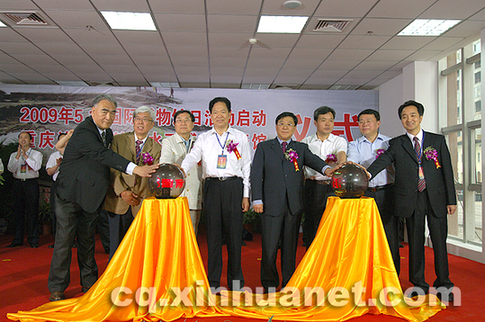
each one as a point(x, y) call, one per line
point(390, 98)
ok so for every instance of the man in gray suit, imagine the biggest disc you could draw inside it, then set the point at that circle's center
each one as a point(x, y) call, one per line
point(277, 190)
point(81, 187)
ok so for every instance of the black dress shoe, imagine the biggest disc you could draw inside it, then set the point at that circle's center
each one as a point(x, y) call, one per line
point(56, 296)
point(34, 245)
point(415, 292)
point(50, 246)
point(447, 297)
point(14, 244)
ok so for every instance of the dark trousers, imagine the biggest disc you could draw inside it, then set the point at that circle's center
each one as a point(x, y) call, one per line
point(315, 200)
point(223, 214)
point(73, 221)
point(118, 226)
point(438, 229)
point(26, 210)
point(52, 200)
point(384, 201)
point(102, 226)
point(286, 227)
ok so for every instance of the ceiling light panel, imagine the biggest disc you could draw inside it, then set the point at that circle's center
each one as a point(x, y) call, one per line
point(129, 20)
point(282, 24)
point(428, 27)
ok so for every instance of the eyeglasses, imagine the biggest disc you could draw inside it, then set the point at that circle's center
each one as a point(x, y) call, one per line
point(144, 120)
point(281, 124)
point(187, 120)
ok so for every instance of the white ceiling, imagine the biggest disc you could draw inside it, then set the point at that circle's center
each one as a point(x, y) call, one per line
point(204, 43)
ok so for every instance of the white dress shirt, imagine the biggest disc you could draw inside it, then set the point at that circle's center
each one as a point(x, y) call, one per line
point(209, 146)
point(52, 163)
point(364, 152)
point(331, 145)
point(33, 162)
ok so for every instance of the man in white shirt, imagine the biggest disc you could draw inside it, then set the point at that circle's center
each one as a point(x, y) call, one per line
point(226, 165)
point(174, 150)
point(330, 148)
point(364, 151)
point(25, 165)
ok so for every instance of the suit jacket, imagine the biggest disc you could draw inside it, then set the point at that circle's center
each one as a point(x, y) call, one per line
point(439, 181)
point(174, 151)
point(124, 144)
point(273, 176)
point(84, 171)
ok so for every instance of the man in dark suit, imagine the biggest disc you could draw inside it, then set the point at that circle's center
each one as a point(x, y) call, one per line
point(277, 190)
point(423, 187)
point(81, 187)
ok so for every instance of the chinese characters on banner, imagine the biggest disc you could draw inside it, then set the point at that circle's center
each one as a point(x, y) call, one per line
point(124, 116)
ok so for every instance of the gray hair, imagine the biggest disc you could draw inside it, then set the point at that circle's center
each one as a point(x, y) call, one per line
point(107, 97)
point(145, 109)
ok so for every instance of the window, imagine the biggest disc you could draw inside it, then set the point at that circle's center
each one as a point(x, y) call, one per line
point(460, 92)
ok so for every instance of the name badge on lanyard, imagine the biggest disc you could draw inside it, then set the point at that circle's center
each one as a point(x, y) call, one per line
point(222, 158)
point(421, 173)
point(221, 161)
point(23, 168)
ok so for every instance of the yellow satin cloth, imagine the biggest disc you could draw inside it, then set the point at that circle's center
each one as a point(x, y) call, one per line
point(159, 251)
point(348, 259)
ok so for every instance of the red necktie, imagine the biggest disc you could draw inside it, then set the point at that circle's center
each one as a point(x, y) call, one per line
point(283, 146)
point(417, 150)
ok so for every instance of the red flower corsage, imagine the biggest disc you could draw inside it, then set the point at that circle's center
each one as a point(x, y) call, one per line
point(431, 154)
point(292, 156)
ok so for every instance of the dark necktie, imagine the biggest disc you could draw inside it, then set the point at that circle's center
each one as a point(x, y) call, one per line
point(138, 150)
point(283, 146)
point(103, 136)
point(417, 150)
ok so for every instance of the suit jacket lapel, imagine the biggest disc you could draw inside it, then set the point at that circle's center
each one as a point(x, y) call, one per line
point(130, 143)
point(408, 147)
point(275, 145)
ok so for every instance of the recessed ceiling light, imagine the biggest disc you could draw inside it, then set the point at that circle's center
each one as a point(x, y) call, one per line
point(129, 20)
point(282, 24)
point(2, 24)
point(428, 27)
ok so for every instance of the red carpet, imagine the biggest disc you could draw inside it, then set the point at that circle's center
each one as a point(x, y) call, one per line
point(24, 272)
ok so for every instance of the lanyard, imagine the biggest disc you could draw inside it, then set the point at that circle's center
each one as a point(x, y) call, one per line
point(222, 146)
point(28, 154)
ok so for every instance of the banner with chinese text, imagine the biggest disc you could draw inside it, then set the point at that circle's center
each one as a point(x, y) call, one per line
point(46, 110)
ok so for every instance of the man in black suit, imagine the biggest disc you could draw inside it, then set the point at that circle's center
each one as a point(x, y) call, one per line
point(277, 190)
point(423, 187)
point(81, 187)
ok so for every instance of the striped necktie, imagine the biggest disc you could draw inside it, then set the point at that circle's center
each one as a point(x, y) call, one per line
point(138, 150)
point(421, 179)
point(103, 136)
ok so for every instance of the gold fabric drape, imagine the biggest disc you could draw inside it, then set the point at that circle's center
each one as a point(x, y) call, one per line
point(159, 252)
point(348, 265)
